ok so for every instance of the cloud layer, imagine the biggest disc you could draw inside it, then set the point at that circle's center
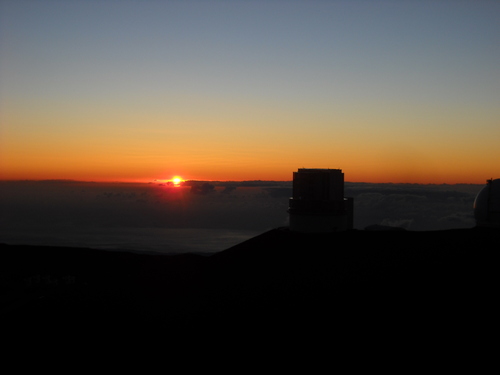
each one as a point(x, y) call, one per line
point(209, 212)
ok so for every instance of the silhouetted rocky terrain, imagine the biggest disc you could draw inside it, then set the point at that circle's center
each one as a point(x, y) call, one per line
point(347, 284)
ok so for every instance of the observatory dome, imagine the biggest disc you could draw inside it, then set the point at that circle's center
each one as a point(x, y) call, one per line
point(487, 205)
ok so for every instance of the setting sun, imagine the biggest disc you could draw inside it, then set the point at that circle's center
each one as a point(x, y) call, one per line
point(176, 180)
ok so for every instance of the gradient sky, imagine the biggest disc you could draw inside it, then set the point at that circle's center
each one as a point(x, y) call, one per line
point(388, 91)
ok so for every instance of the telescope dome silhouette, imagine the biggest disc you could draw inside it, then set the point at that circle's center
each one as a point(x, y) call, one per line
point(487, 205)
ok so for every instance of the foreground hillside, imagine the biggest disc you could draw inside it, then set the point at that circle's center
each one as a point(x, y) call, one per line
point(347, 283)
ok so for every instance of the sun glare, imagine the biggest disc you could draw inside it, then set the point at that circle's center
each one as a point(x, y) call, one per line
point(176, 180)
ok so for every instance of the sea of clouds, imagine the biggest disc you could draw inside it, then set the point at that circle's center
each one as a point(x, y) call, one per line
point(203, 217)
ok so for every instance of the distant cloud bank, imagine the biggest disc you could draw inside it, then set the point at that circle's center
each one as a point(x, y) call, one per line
point(230, 209)
point(413, 206)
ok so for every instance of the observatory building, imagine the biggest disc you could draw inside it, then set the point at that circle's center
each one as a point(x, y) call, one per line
point(318, 204)
point(487, 205)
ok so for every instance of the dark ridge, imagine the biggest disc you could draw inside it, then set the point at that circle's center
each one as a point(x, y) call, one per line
point(350, 282)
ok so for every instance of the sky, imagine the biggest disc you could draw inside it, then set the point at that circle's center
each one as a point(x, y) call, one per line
point(387, 91)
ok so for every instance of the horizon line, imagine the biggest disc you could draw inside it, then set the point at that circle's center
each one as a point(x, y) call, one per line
point(159, 182)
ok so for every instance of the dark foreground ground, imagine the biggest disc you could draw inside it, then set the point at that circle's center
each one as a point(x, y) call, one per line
point(355, 285)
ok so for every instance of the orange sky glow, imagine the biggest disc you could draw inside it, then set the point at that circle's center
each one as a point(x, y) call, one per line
point(199, 91)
